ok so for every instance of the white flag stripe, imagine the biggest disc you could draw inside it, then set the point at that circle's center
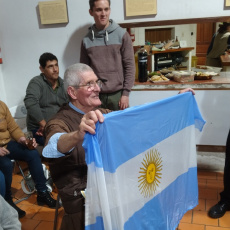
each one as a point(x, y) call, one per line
point(120, 190)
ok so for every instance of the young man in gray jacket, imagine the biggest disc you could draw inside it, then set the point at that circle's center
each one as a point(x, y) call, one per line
point(108, 50)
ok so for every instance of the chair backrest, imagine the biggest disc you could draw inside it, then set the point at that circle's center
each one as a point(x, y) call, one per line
point(19, 113)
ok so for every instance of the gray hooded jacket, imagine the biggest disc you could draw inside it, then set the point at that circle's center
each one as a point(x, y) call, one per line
point(110, 54)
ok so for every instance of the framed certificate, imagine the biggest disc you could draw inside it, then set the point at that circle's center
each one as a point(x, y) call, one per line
point(53, 12)
point(140, 7)
point(227, 2)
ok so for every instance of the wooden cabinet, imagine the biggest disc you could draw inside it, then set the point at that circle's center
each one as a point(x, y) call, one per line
point(184, 52)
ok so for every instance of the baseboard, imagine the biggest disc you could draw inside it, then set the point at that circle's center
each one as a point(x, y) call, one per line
point(210, 148)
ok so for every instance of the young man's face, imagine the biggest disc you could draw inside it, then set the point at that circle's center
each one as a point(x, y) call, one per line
point(51, 70)
point(101, 13)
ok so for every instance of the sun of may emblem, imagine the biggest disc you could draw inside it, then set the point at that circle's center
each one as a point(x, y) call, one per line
point(150, 173)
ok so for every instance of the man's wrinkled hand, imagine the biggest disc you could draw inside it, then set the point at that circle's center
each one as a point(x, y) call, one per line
point(89, 120)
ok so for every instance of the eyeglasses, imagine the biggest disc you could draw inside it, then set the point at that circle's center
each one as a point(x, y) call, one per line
point(91, 85)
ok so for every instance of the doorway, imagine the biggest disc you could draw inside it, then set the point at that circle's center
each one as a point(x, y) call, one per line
point(204, 36)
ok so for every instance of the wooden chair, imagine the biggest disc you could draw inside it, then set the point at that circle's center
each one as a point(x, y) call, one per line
point(56, 212)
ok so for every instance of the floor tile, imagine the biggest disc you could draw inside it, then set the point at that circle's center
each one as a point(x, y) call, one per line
point(206, 193)
point(207, 175)
point(187, 218)
point(202, 183)
point(201, 217)
point(45, 225)
point(45, 214)
point(217, 184)
point(210, 185)
point(210, 203)
point(215, 228)
point(201, 205)
point(29, 224)
point(225, 220)
point(186, 226)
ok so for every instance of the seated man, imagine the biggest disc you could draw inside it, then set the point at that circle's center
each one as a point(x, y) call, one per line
point(13, 145)
point(44, 96)
point(64, 136)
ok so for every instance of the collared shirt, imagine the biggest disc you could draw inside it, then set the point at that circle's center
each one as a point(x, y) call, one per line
point(50, 150)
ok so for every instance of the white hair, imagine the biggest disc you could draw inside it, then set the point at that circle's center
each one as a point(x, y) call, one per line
point(73, 74)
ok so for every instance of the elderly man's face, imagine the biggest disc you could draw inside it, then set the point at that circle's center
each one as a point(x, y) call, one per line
point(88, 97)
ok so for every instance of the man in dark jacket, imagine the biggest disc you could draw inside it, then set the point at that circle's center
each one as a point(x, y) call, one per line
point(44, 96)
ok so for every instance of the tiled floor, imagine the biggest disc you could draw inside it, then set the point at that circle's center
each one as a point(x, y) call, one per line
point(210, 184)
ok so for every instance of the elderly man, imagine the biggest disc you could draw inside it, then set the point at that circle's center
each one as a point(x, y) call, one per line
point(64, 136)
point(44, 96)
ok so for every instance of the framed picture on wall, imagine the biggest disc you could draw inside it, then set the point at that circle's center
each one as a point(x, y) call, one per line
point(227, 2)
point(53, 12)
point(140, 7)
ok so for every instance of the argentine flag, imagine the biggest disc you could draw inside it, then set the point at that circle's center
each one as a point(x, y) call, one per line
point(142, 167)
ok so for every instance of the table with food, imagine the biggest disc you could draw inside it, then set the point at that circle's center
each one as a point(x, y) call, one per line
point(200, 77)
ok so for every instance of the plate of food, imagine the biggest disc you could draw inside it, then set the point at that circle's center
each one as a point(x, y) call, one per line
point(158, 79)
point(167, 70)
point(204, 75)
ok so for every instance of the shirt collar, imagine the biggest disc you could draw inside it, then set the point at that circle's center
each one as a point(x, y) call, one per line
point(75, 108)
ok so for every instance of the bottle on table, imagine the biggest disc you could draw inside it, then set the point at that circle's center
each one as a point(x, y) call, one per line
point(142, 65)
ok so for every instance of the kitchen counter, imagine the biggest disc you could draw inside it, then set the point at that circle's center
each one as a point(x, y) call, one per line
point(221, 82)
point(212, 97)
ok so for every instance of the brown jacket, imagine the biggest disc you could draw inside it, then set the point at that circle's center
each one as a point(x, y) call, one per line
point(8, 127)
point(69, 173)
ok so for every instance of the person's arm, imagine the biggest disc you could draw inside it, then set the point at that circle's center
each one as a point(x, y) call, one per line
point(84, 58)
point(11, 126)
point(33, 95)
point(129, 69)
point(211, 44)
point(187, 90)
point(59, 141)
point(42, 125)
point(88, 124)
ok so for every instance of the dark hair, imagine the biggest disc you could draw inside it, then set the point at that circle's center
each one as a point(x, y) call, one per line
point(91, 3)
point(46, 57)
point(223, 27)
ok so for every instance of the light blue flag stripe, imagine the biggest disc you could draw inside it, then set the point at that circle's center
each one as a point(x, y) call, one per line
point(168, 205)
point(131, 126)
point(115, 157)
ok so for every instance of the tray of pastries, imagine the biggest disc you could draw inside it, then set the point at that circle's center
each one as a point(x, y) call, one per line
point(204, 75)
point(158, 79)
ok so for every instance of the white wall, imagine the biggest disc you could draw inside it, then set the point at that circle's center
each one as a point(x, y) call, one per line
point(212, 105)
point(2, 86)
point(23, 39)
